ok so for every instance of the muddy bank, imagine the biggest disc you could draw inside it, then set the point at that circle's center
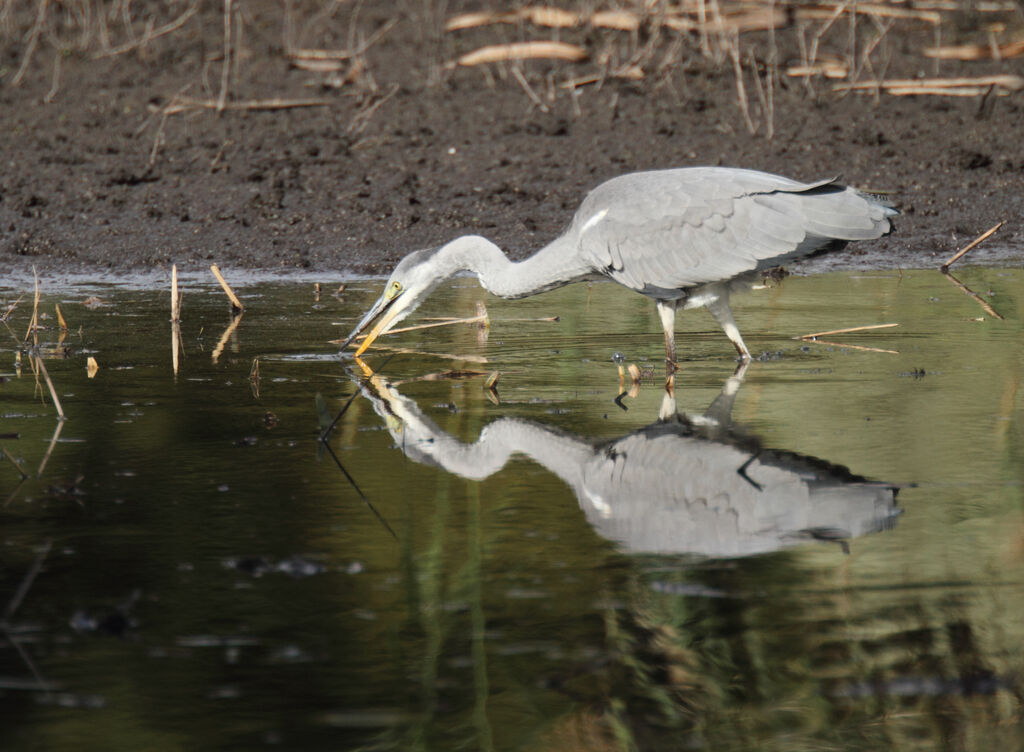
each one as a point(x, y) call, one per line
point(99, 173)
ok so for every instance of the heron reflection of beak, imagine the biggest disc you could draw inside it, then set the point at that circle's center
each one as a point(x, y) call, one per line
point(384, 307)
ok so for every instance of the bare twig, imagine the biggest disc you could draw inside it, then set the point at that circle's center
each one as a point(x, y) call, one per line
point(163, 30)
point(33, 40)
point(225, 73)
point(845, 331)
point(960, 254)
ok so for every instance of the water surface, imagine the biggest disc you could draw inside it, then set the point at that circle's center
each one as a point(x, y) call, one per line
point(186, 564)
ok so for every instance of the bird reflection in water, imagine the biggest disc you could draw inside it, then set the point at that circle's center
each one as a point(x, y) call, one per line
point(683, 484)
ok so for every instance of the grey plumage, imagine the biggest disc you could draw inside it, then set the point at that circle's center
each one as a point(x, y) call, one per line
point(684, 237)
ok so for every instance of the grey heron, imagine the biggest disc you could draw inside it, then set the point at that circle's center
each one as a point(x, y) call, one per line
point(685, 237)
point(683, 484)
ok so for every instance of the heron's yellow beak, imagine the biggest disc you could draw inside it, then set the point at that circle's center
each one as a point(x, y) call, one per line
point(384, 308)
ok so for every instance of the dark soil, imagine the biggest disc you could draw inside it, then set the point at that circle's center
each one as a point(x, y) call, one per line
point(409, 152)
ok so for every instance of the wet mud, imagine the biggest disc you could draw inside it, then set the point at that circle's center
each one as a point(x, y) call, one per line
point(408, 151)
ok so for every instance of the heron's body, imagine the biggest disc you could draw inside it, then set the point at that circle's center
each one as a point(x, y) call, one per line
point(683, 237)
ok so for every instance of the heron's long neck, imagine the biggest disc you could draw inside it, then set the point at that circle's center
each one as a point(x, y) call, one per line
point(554, 265)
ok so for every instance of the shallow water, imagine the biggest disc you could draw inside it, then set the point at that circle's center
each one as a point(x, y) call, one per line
point(188, 566)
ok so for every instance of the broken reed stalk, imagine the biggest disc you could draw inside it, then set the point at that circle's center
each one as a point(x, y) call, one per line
point(11, 308)
point(175, 297)
point(49, 384)
point(845, 331)
point(960, 254)
point(33, 324)
point(236, 304)
point(60, 318)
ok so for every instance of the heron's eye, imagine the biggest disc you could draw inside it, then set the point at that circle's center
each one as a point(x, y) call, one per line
point(396, 287)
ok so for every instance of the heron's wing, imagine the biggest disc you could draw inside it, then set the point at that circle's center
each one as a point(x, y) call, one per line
point(671, 229)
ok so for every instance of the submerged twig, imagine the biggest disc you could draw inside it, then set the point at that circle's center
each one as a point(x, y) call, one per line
point(49, 449)
point(14, 461)
point(960, 254)
point(971, 294)
point(236, 319)
point(26, 582)
point(49, 384)
point(856, 347)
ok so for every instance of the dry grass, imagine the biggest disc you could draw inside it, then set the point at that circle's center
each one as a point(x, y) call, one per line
point(649, 43)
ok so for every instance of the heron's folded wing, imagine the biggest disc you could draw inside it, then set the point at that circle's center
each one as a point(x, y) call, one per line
point(674, 229)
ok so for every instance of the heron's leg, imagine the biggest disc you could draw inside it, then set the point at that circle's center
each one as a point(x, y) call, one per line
point(667, 313)
point(719, 308)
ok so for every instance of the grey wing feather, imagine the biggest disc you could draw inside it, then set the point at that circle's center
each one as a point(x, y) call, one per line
point(668, 230)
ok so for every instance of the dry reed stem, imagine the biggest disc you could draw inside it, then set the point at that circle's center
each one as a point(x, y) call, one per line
point(828, 69)
point(971, 294)
point(11, 308)
point(150, 36)
point(175, 296)
point(91, 367)
point(494, 53)
point(49, 384)
point(935, 85)
point(960, 254)
point(226, 67)
point(530, 93)
point(976, 51)
point(856, 347)
point(60, 318)
point(183, 104)
point(846, 331)
point(33, 324)
point(871, 9)
point(236, 304)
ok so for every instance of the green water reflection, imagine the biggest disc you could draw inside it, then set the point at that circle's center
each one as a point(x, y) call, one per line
point(207, 577)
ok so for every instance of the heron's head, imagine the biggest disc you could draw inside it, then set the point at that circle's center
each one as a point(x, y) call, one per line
point(409, 284)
